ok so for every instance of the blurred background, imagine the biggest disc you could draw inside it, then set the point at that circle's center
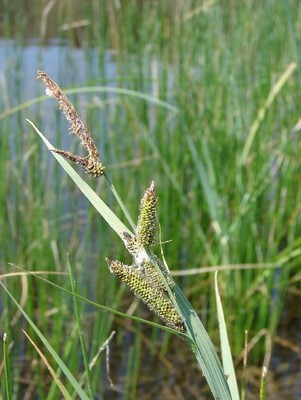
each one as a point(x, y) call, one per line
point(203, 97)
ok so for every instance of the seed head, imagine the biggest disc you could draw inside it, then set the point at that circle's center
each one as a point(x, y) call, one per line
point(147, 220)
point(151, 296)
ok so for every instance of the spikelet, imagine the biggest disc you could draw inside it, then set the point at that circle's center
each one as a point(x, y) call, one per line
point(147, 220)
point(91, 164)
point(151, 296)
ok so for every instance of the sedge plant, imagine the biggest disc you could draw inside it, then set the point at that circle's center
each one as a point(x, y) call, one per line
point(148, 276)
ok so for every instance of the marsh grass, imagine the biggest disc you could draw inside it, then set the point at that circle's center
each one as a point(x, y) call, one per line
point(216, 69)
point(197, 336)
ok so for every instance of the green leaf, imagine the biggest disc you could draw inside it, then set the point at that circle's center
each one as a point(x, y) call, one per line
point(7, 374)
point(225, 346)
point(55, 377)
point(204, 350)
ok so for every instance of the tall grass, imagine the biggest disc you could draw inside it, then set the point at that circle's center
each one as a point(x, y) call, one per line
point(216, 67)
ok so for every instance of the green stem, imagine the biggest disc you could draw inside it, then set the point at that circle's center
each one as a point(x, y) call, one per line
point(80, 330)
point(120, 202)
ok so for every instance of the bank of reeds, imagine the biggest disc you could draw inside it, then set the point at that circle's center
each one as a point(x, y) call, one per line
point(222, 145)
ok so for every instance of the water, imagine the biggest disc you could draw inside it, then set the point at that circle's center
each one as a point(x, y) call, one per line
point(18, 66)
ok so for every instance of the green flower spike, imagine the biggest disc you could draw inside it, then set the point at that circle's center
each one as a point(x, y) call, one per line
point(150, 295)
point(147, 221)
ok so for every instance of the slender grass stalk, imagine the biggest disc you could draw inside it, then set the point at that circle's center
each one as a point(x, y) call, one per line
point(8, 382)
point(104, 346)
point(245, 362)
point(208, 189)
point(55, 377)
point(129, 367)
point(262, 112)
point(105, 308)
point(119, 201)
point(94, 89)
point(80, 330)
point(262, 394)
point(52, 392)
point(134, 376)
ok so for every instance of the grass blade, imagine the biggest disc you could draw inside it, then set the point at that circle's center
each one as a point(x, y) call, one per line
point(102, 307)
point(262, 111)
point(203, 348)
point(244, 374)
point(262, 395)
point(8, 383)
point(119, 201)
point(56, 379)
point(94, 89)
point(225, 346)
point(80, 330)
point(209, 193)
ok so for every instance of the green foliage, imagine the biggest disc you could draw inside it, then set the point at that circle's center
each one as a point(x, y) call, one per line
point(191, 85)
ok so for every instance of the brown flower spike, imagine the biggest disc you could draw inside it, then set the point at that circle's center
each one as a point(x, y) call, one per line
point(91, 164)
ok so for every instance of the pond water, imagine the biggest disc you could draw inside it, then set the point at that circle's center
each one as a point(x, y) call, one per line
point(22, 63)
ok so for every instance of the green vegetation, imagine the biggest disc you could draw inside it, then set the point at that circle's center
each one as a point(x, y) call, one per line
point(202, 100)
